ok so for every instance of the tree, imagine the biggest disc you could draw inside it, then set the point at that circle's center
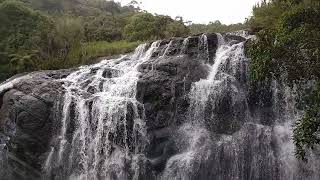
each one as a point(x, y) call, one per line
point(216, 22)
point(104, 28)
point(47, 5)
point(162, 22)
point(141, 27)
point(307, 129)
point(216, 26)
point(25, 35)
point(112, 7)
point(179, 18)
point(176, 29)
point(288, 47)
point(20, 25)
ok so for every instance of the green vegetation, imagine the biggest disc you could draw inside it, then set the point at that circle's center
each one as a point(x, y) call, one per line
point(306, 131)
point(55, 34)
point(87, 53)
point(216, 26)
point(24, 34)
point(288, 46)
point(145, 26)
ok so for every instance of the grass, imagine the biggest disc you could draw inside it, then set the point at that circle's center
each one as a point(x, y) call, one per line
point(4, 72)
point(88, 53)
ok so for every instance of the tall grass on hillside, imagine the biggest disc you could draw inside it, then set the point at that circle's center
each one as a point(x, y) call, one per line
point(88, 53)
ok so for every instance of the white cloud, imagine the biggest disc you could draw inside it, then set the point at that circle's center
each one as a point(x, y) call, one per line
point(201, 11)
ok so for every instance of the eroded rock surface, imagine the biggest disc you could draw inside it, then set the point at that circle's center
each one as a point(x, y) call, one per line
point(181, 108)
point(27, 121)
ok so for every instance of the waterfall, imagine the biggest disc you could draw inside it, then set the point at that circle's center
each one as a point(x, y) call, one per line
point(206, 150)
point(194, 135)
point(202, 89)
point(177, 109)
point(108, 126)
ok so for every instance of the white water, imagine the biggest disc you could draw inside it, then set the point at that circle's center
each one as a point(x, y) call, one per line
point(103, 133)
point(198, 148)
point(202, 89)
point(195, 137)
point(10, 84)
point(49, 159)
point(97, 101)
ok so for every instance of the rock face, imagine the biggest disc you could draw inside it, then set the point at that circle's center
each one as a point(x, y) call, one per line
point(166, 102)
point(163, 89)
point(178, 109)
point(26, 121)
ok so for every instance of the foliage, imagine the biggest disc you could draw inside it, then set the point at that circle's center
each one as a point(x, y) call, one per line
point(145, 26)
point(24, 34)
point(261, 52)
point(52, 34)
point(20, 63)
point(91, 50)
point(288, 46)
point(140, 27)
point(176, 29)
point(69, 34)
point(78, 7)
point(88, 53)
point(47, 5)
point(306, 130)
point(267, 14)
point(294, 42)
point(104, 28)
point(216, 26)
point(21, 27)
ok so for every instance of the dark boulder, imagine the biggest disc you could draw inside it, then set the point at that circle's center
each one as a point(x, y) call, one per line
point(27, 119)
point(163, 88)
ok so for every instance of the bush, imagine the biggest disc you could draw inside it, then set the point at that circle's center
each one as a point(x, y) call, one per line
point(88, 53)
point(22, 28)
point(294, 43)
point(216, 27)
point(145, 26)
point(141, 27)
point(306, 130)
point(104, 28)
point(288, 46)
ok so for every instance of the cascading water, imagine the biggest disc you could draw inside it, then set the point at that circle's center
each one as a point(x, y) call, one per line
point(195, 136)
point(179, 109)
point(107, 122)
point(208, 149)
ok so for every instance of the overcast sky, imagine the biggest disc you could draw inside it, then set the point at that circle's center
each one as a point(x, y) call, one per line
point(201, 11)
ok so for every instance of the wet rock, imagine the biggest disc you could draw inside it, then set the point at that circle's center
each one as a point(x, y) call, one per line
point(27, 120)
point(163, 88)
point(230, 145)
point(167, 84)
point(234, 38)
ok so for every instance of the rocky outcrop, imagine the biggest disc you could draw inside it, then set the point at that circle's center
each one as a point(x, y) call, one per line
point(167, 77)
point(163, 87)
point(30, 109)
point(181, 108)
point(27, 118)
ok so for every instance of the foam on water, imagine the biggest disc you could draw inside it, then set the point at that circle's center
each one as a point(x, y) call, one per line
point(107, 121)
point(102, 131)
point(225, 155)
